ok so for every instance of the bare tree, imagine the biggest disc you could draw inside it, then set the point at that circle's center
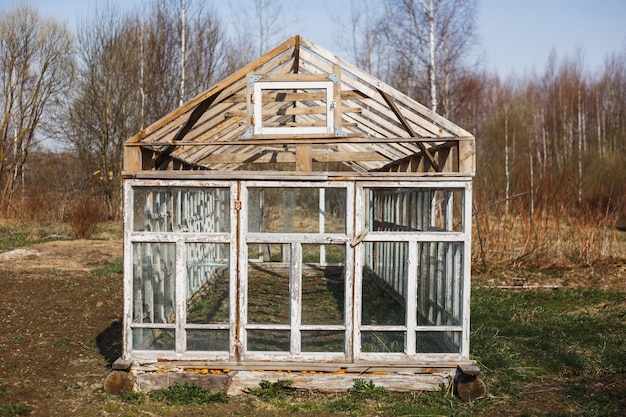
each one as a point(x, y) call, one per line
point(172, 72)
point(35, 66)
point(103, 111)
point(434, 40)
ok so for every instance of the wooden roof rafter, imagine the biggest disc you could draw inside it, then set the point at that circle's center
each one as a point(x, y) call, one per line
point(375, 126)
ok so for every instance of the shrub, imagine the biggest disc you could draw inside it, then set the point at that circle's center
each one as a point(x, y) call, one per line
point(83, 214)
point(272, 390)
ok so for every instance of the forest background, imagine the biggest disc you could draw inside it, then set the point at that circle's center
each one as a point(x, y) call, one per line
point(549, 190)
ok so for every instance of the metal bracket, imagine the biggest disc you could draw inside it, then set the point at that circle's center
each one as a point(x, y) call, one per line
point(340, 133)
point(334, 78)
point(254, 78)
point(248, 133)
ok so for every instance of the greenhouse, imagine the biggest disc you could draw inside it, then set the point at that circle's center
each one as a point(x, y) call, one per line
point(299, 218)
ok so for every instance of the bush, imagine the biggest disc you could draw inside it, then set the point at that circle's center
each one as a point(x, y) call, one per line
point(83, 214)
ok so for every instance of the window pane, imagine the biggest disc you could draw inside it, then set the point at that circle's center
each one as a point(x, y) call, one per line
point(153, 339)
point(207, 283)
point(153, 282)
point(392, 342)
point(438, 342)
point(439, 285)
point(268, 340)
point(322, 341)
point(414, 209)
point(297, 210)
point(385, 272)
point(200, 210)
point(268, 291)
point(212, 340)
point(323, 284)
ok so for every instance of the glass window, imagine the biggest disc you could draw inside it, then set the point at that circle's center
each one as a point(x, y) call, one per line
point(438, 342)
point(322, 341)
point(154, 282)
point(269, 340)
point(439, 288)
point(154, 339)
point(297, 210)
point(413, 210)
point(323, 284)
point(377, 341)
point(210, 340)
point(207, 283)
point(171, 209)
point(385, 273)
point(268, 291)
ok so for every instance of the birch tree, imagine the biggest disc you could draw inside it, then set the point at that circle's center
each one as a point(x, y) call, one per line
point(435, 40)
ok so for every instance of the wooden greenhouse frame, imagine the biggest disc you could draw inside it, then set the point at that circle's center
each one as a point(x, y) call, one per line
point(346, 192)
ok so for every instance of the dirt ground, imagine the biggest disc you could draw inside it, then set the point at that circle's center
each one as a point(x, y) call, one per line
point(61, 325)
point(57, 334)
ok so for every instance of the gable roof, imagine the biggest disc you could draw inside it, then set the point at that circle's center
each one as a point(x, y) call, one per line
point(374, 126)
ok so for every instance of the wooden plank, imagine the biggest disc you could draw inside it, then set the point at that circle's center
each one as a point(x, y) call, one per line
point(467, 157)
point(304, 161)
point(337, 97)
point(148, 381)
point(262, 156)
point(241, 382)
point(293, 77)
point(290, 111)
point(318, 138)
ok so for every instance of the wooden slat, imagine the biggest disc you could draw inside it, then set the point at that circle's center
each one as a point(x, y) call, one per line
point(292, 77)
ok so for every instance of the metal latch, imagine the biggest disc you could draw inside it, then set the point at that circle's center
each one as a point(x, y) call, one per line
point(237, 205)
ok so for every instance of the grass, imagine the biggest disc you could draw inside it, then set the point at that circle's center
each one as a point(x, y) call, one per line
point(116, 266)
point(13, 236)
point(571, 340)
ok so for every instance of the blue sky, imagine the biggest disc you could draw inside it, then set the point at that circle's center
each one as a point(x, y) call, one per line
point(516, 36)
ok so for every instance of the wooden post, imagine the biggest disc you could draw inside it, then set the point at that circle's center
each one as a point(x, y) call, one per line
point(467, 156)
point(132, 158)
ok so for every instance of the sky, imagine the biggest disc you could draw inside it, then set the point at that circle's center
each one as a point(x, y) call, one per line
point(516, 36)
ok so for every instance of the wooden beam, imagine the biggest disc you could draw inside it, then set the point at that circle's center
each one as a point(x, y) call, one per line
point(132, 158)
point(409, 129)
point(317, 138)
point(286, 157)
point(337, 97)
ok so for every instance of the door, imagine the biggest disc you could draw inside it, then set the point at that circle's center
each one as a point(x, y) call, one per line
point(295, 271)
